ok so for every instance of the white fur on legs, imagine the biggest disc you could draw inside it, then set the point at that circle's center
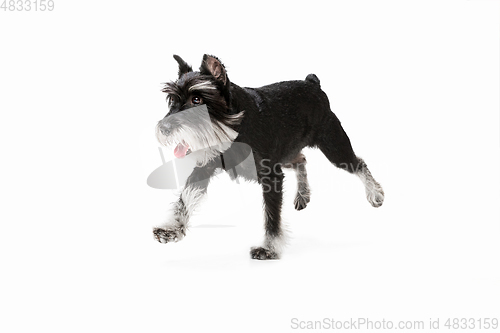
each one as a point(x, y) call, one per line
point(374, 191)
point(303, 195)
point(174, 229)
point(276, 244)
point(273, 246)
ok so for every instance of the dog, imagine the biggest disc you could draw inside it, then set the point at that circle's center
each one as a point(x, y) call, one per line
point(271, 124)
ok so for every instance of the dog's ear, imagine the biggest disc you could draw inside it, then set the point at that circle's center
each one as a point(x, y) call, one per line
point(183, 66)
point(211, 65)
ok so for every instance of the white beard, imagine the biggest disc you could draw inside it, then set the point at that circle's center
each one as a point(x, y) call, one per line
point(206, 140)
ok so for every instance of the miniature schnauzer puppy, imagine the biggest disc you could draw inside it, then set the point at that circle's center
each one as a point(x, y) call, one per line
point(272, 124)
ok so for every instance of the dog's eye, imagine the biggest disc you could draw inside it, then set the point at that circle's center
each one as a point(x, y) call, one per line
point(172, 100)
point(196, 100)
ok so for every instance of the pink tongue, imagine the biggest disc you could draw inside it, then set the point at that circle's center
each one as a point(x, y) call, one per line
point(180, 150)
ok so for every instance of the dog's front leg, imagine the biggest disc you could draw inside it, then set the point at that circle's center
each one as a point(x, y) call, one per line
point(274, 241)
point(174, 229)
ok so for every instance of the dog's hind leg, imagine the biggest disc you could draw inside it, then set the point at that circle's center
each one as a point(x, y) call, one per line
point(193, 192)
point(303, 195)
point(335, 144)
point(272, 186)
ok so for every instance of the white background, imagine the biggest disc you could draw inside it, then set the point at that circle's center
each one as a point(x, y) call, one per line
point(415, 84)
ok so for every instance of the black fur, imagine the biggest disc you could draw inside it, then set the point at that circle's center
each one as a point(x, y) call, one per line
point(276, 121)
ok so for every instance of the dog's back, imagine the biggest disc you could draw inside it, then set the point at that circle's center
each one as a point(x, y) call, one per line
point(287, 114)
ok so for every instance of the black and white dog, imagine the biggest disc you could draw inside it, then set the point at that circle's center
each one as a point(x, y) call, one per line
point(272, 124)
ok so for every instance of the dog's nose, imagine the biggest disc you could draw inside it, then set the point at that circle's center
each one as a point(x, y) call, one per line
point(165, 128)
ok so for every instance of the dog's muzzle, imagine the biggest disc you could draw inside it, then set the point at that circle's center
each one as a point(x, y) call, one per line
point(163, 131)
point(165, 128)
point(194, 130)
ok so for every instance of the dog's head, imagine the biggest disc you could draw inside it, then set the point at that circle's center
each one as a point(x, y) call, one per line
point(200, 117)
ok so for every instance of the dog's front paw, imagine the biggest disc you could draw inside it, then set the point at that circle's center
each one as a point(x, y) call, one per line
point(261, 253)
point(170, 234)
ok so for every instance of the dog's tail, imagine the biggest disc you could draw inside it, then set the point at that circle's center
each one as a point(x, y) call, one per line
point(312, 78)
